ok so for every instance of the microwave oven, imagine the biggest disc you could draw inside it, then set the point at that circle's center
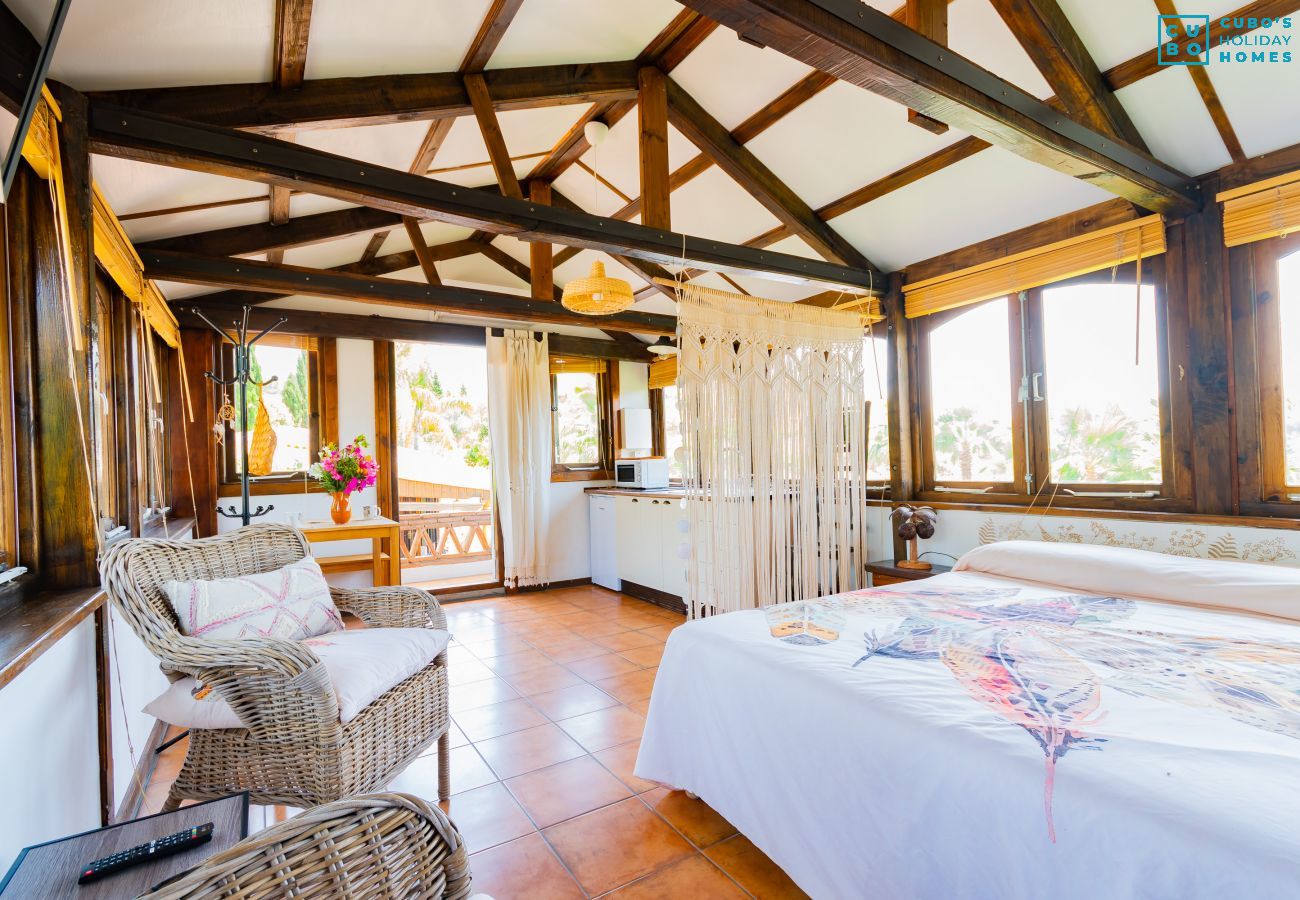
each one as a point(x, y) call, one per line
point(646, 473)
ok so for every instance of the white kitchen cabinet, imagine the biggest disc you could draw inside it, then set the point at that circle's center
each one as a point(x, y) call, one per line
point(672, 537)
point(604, 542)
point(646, 541)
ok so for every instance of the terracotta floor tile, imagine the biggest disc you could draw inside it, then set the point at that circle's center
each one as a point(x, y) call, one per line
point(602, 666)
point(525, 867)
point(629, 686)
point(487, 816)
point(480, 693)
point(693, 877)
point(458, 738)
point(569, 789)
point(484, 722)
point(539, 681)
point(753, 870)
point(572, 701)
point(497, 646)
point(579, 648)
point(621, 760)
point(468, 771)
point(464, 671)
point(626, 640)
point(604, 728)
point(608, 848)
point(644, 656)
point(515, 663)
point(598, 630)
point(694, 818)
point(524, 751)
point(640, 707)
point(659, 630)
point(559, 637)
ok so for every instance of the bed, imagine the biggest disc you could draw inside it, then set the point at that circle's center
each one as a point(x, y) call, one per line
point(1046, 721)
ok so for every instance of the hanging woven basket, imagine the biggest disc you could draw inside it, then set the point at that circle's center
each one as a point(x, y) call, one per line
point(261, 450)
point(597, 294)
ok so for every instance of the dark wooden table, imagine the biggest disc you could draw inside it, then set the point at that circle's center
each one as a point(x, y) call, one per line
point(50, 870)
point(886, 571)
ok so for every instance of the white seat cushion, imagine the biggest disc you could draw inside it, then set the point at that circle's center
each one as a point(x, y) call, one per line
point(293, 602)
point(362, 664)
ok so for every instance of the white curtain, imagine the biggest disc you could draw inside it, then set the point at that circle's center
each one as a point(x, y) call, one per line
point(519, 420)
point(773, 426)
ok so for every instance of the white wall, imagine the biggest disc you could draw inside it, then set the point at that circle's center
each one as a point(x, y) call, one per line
point(49, 757)
point(135, 679)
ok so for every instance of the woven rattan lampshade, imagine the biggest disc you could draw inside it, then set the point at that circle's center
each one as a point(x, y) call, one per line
point(597, 294)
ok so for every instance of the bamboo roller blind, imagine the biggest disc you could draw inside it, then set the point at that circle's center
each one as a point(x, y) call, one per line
point(1261, 210)
point(1020, 271)
point(560, 364)
point(663, 373)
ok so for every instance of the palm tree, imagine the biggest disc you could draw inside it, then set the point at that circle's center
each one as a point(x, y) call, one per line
point(1102, 448)
point(962, 438)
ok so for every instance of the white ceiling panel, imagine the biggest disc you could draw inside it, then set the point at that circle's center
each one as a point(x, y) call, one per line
point(311, 204)
point(156, 227)
point(712, 205)
point(547, 32)
point(732, 79)
point(525, 131)
point(1260, 98)
point(393, 145)
point(132, 187)
point(434, 233)
point(842, 139)
point(177, 290)
point(396, 36)
point(988, 194)
point(1114, 31)
point(977, 32)
point(328, 254)
point(162, 43)
point(1172, 119)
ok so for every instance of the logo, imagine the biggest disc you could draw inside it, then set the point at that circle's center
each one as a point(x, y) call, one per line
point(1183, 41)
point(1187, 41)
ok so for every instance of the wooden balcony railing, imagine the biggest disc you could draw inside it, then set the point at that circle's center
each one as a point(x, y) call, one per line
point(442, 533)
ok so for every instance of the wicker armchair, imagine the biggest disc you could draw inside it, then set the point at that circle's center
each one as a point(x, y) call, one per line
point(294, 750)
point(388, 845)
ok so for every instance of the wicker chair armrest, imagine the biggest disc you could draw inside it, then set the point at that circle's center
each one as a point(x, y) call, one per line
point(391, 607)
point(269, 655)
point(388, 839)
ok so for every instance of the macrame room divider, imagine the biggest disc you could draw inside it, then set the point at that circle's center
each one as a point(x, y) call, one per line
point(774, 430)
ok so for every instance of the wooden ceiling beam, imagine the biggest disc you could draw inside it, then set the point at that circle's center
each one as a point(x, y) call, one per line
point(734, 158)
point(421, 250)
point(541, 254)
point(1050, 41)
point(866, 47)
point(930, 18)
point(147, 137)
point(300, 231)
point(260, 276)
point(1209, 96)
point(292, 30)
point(380, 99)
point(19, 50)
point(652, 147)
point(493, 139)
point(493, 28)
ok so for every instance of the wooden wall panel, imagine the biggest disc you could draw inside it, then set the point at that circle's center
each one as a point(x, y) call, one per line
point(385, 437)
point(193, 444)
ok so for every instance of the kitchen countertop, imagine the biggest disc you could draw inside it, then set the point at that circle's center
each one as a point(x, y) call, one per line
point(659, 494)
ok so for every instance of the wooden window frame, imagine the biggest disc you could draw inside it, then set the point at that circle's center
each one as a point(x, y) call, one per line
point(323, 424)
point(658, 434)
point(607, 402)
point(1174, 490)
point(9, 553)
point(1257, 354)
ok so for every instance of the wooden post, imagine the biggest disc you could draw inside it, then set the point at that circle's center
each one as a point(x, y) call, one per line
point(901, 409)
point(541, 260)
point(930, 18)
point(652, 114)
point(386, 427)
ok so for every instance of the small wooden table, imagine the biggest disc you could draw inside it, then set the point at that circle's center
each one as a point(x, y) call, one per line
point(885, 571)
point(50, 870)
point(384, 534)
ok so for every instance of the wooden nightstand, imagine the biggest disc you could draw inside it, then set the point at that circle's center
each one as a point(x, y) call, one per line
point(883, 572)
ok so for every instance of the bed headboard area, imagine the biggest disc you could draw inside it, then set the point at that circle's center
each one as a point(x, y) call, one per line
point(962, 530)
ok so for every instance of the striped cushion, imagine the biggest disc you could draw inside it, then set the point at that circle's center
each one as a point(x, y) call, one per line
point(292, 603)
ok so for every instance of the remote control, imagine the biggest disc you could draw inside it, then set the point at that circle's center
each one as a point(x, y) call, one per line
point(173, 843)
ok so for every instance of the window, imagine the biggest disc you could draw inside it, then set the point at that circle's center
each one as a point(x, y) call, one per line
point(102, 426)
point(672, 432)
point(582, 394)
point(968, 364)
point(1268, 378)
point(293, 378)
point(1061, 391)
point(875, 363)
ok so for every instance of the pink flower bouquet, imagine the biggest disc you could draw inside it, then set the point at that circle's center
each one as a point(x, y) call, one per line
point(348, 470)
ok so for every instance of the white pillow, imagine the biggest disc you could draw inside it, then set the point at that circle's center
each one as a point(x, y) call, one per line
point(362, 664)
point(292, 603)
point(1124, 572)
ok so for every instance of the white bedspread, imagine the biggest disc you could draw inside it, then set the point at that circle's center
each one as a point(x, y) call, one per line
point(998, 740)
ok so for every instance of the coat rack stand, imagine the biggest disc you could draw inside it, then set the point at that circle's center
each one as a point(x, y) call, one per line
point(243, 348)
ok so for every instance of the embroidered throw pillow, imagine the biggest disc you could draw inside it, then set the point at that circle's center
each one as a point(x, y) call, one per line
point(362, 663)
point(292, 603)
